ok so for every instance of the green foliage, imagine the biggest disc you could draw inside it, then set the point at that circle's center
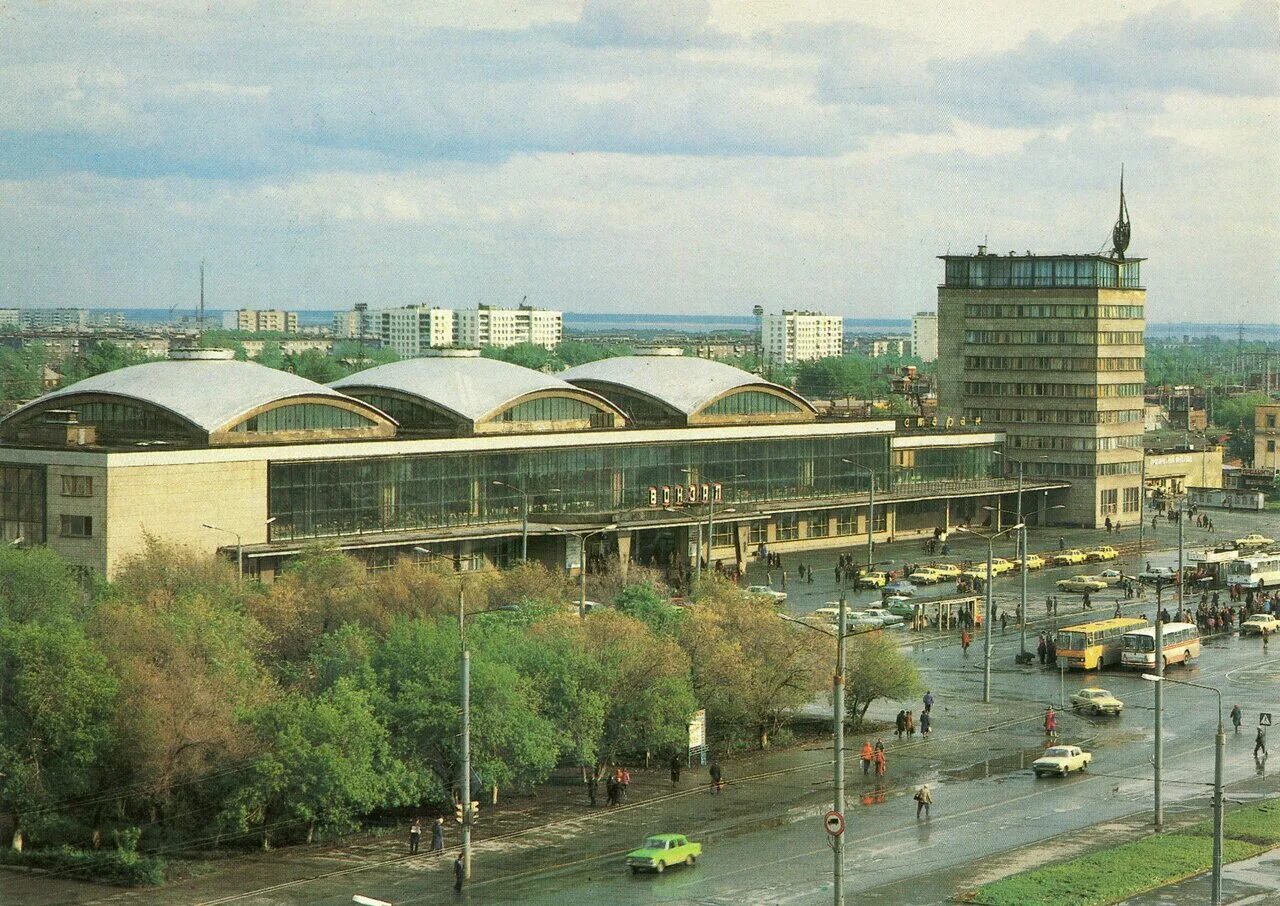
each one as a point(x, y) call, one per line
point(651, 607)
point(121, 864)
point(526, 355)
point(842, 377)
point(99, 357)
point(579, 352)
point(1256, 823)
point(1112, 874)
point(37, 585)
point(875, 669)
point(22, 372)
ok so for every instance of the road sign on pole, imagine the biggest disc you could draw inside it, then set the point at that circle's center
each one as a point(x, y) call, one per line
point(1264, 719)
point(835, 823)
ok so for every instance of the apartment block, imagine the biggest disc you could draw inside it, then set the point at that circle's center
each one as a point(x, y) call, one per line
point(415, 328)
point(489, 326)
point(1266, 434)
point(801, 336)
point(924, 336)
point(255, 320)
point(1050, 349)
point(355, 324)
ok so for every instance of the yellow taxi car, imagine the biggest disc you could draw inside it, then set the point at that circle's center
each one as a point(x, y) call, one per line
point(873, 580)
point(1000, 566)
point(1034, 561)
point(925, 575)
point(1071, 557)
point(1101, 553)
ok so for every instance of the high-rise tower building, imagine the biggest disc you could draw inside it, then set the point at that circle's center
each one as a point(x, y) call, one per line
point(801, 336)
point(1050, 348)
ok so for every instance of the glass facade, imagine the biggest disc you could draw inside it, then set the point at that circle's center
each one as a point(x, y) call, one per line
point(1036, 271)
point(302, 417)
point(751, 402)
point(345, 497)
point(125, 421)
point(556, 409)
point(22, 503)
point(410, 416)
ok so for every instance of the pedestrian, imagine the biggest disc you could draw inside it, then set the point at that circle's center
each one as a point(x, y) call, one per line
point(925, 720)
point(1004, 622)
point(911, 724)
point(1260, 742)
point(1050, 722)
point(964, 641)
point(900, 724)
point(880, 762)
point(1051, 652)
point(928, 701)
point(593, 784)
point(459, 874)
point(415, 836)
point(924, 799)
point(717, 777)
point(1062, 543)
point(624, 782)
point(611, 790)
point(1041, 649)
point(867, 755)
point(1236, 717)
point(675, 769)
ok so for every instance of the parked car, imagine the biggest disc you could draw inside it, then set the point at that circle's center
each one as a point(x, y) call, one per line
point(1034, 561)
point(900, 606)
point(661, 851)
point(900, 587)
point(824, 615)
point(950, 570)
point(1260, 623)
point(1158, 575)
point(926, 576)
point(764, 591)
point(1104, 552)
point(1112, 577)
point(1253, 539)
point(872, 580)
point(1061, 760)
point(1071, 557)
point(1096, 701)
point(885, 616)
point(999, 566)
point(1081, 584)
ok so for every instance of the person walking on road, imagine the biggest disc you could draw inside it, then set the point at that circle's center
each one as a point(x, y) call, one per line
point(675, 769)
point(717, 781)
point(459, 874)
point(437, 836)
point(925, 720)
point(900, 724)
point(924, 799)
point(1050, 723)
point(867, 755)
point(1260, 743)
point(1041, 648)
point(1236, 717)
point(415, 836)
point(964, 642)
point(911, 725)
point(928, 701)
point(880, 762)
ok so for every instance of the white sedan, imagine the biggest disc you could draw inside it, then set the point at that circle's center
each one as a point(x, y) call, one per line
point(884, 616)
point(1260, 623)
point(764, 591)
point(1061, 760)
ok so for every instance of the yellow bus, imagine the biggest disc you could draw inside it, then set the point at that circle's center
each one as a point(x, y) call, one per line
point(1089, 646)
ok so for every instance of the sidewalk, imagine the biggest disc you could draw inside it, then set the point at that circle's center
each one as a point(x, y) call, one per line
point(1252, 881)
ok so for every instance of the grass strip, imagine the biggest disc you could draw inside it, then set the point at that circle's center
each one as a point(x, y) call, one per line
point(1110, 875)
point(1257, 823)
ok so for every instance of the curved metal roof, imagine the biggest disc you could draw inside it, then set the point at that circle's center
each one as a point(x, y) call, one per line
point(208, 394)
point(685, 383)
point(472, 387)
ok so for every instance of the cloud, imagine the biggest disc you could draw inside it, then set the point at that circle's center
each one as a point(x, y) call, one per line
point(643, 22)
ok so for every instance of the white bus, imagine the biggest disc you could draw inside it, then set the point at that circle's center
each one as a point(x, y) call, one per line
point(1181, 645)
point(1255, 571)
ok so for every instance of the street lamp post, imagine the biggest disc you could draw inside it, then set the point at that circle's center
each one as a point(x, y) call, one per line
point(239, 548)
point(524, 518)
point(711, 520)
point(1219, 752)
point(871, 511)
point(986, 619)
point(582, 559)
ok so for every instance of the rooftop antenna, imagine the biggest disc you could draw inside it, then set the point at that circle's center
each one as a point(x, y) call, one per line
point(1121, 231)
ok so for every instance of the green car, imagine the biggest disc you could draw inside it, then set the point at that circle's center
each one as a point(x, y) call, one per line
point(662, 850)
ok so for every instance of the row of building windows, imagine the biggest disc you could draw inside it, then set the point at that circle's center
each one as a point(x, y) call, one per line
point(1058, 391)
point(1050, 363)
point(303, 417)
point(22, 503)
point(1076, 444)
point(556, 409)
point(798, 526)
point(994, 270)
point(1108, 501)
point(1055, 337)
point(1056, 416)
point(751, 402)
point(1034, 468)
point(1074, 310)
point(123, 419)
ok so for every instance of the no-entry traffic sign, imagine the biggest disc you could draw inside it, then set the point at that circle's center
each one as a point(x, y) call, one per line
point(835, 823)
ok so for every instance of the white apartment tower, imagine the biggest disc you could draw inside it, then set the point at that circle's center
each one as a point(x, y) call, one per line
point(801, 336)
point(489, 326)
point(924, 336)
point(254, 320)
point(415, 328)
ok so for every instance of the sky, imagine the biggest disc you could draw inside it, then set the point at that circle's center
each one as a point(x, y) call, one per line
point(673, 156)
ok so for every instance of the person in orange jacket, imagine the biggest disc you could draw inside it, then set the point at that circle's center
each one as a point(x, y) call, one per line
point(866, 757)
point(880, 762)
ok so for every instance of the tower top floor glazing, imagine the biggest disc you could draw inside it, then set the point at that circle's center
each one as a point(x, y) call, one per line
point(1029, 271)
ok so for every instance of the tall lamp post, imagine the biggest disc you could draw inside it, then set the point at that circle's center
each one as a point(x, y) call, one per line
point(1022, 565)
point(524, 515)
point(711, 518)
point(582, 558)
point(239, 545)
point(986, 619)
point(871, 511)
point(1219, 750)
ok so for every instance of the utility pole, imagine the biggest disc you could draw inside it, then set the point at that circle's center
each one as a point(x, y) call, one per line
point(986, 618)
point(1158, 760)
point(837, 725)
point(465, 779)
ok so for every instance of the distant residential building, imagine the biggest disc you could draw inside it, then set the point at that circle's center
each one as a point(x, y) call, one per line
point(801, 336)
point(355, 324)
point(10, 318)
point(1266, 434)
point(54, 319)
point(924, 336)
point(875, 347)
point(415, 328)
point(109, 319)
point(489, 326)
point(255, 320)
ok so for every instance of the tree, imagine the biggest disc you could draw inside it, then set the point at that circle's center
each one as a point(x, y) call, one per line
point(650, 606)
point(875, 669)
point(56, 702)
point(324, 762)
point(837, 377)
point(579, 352)
point(527, 355)
point(750, 668)
point(22, 372)
point(37, 585)
point(100, 357)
